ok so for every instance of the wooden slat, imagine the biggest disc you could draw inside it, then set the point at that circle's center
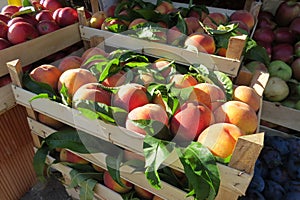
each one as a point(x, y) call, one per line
point(7, 100)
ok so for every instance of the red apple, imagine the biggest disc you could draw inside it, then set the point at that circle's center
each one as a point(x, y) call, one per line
point(66, 16)
point(297, 49)
point(295, 25)
point(267, 46)
point(284, 52)
point(52, 5)
point(284, 35)
point(286, 12)
point(21, 32)
point(15, 20)
point(4, 43)
point(9, 9)
point(264, 34)
point(266, 23)
point(47, 26)
point(111, 11)
point(30, 19)
point(3, 29)
point(4, 18)
point(44, 15)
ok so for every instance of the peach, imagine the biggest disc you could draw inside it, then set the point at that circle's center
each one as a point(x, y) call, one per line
point(108, 22)
point(53, 123)
point(164, 7)
point(198, 14)
point(241, 25)
point(147, 112)
point(220, 138)
point(113, 185)
point(68, 156)
point(200, 42)
point(200, 96)
point(144, 78)
point(192, 24)
point(97, 168)
point(190, 120)
point(158, 99)
point(97, 19)
point(73, 79)
point(46, 73)
point(216, 95)
point(157, 198)
point(183, 80)
point(130, 96)
point(162, 67)
point(247, 95)
point(93, 92)
point(130, 155)
point(92, 52)
point(137, 21)
point(115, 80)
point(244, 16)
point(239, 114)
point(70, 62)
point(142, 193)
point(175, 37)
point(216, 18)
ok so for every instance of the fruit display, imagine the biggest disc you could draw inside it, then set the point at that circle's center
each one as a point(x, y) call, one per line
point(195, 27)
point(279, 34)
point(19, 24)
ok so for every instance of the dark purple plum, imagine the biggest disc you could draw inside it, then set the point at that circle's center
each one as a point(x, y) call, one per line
point(261, 168)
point(293, 167)
point(292, 186)
point(271, 157)
point(252, 195)
point(279, 175)
point(292, 196)
point(278, 143)
point(273, 190)
point(294, 145)
point(257, 183)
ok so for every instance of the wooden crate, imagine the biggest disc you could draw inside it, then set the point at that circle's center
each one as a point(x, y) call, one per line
point(235, 177)
point(229, 64)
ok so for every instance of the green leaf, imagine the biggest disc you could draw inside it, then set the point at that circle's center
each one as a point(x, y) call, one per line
point(78, 177)
point(148, 14)
point(79, 167)
point(39, 161)
point(26, 3)
point(87, 189)
point(137, 64)
point(40, 96)
point(181, 24)
point(201, 169)
point(88, 113)
point(24, 10)
point(224, 82)
point(258, 53)
point(112, 67)
point(113, 167)
point(156, 152)
point(65, 98)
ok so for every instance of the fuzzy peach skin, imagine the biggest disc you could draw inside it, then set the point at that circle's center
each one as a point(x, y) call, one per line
point(113, 185)
point(239, 114)
point(70, 62)
point(247, 95)
point(67, 156)
point(220, 138)
point(190, 120)
point(148, 111)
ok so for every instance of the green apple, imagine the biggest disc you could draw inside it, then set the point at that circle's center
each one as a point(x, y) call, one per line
point(256, 65)
point(288, 103)
point(297, 49)
point(276, 89)
point(297, 105)
point(280, 69)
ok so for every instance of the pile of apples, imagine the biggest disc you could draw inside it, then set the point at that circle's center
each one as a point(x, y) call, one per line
point(199, 24)
point(22, 23)
point(279, 34)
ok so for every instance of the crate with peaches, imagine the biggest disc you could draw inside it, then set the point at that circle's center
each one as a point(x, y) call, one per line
point(163, 110)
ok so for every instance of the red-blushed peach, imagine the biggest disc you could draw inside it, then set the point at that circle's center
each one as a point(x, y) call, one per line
point(93, 92)
point(157, 198)
point(130, 96)
point(158, 99)
point(97, 168)
point(198, 14)
point(137, 21)
point(247, 95)
point(46, 73)
point(183, 80)
point(239, 114)
point(69, 62)
point(220, 138)
point(130, 155)
point(192, 24)
point(200, 96)
point(216, 94)
point(113, 185)
point(142, 193)
point(201, 42)
point(216, 18)
point(164, 7)
point(53, 123)
point(91, 52)
point(97, 19)
point(175, 36)
point(68, 156)
point(115, 80)
point(162, 67)
point(147, 112)
point(189, 120)
point(244, 16)
point(241, 25)
point(143, 78)
point(73, 79)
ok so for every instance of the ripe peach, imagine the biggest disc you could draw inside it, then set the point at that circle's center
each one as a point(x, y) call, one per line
point(157, 198)
point(239, 114)
point(216, 94)
point(108, 22)
point(92, 52)
point(70, 62)
point(146, 112)
point(247, 95)
point(200, 96)
point(143, 78)
point(115, 80)
point(199, 15)
point(241, 25)
point(220, 138)
point(215, 18)
point(93, 92)
point(130, 96)
point(137, 21)
point(111, 10)
point(244, 16)
point(175, 36)
point(192, 24)
point(201, 42)
point(113, 185)
point(130, 155)
point(162, 67)
point(73, 79)
point(142, 193)
point(53, 123)
point(190, 120)
point(46, 73)
point(183, 80)
point(164, 7)
point(97, 168)
point(97, 19)
point(68, 156)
